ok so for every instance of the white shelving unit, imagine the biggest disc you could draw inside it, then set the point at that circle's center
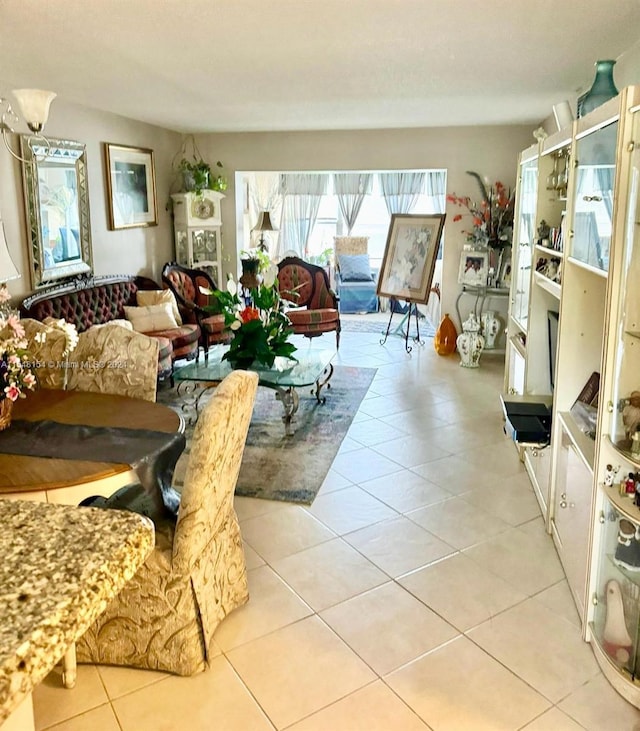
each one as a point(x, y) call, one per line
point(595, 289)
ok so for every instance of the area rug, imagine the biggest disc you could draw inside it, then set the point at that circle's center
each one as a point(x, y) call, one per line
point(292, 469)
point(363, 325)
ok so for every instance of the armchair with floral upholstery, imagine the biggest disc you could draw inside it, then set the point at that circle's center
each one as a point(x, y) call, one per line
point(185, 284)
point(307, 287)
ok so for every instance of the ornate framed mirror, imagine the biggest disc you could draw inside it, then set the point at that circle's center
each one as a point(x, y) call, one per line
point(57, 206)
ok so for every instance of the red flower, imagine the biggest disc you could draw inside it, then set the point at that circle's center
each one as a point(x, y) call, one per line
point(249, 313)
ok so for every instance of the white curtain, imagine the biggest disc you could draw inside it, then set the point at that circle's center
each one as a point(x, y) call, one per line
point(401, 190)
point(264, 195)
point(351, 189)
point(302, 194)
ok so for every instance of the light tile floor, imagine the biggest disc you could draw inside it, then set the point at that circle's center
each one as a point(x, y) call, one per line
point(419, 591)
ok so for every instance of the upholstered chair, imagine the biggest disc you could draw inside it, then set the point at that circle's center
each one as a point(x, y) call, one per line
point(307, 287)
point(185, 285)
point(46, 345)
point(165, 617)
point(356, 284)
point(114, 359)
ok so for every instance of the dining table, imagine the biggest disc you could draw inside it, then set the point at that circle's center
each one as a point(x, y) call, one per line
point(60, 447)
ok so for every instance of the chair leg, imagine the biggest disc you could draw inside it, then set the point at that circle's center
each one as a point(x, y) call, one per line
point(338, 339)
point(69, 667)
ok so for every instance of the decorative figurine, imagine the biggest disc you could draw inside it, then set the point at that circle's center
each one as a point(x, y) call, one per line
point(616, 640)
point(543, 232)
point(635, 442)
point(610, 475)
point(630, 484)
point(631, 414)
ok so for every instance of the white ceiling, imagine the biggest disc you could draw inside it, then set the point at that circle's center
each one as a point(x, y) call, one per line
point(241, 65)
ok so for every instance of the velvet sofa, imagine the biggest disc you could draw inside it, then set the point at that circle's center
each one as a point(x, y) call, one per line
point(88, 301)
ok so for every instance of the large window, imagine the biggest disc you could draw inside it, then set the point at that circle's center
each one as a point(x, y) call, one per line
point(372, 221)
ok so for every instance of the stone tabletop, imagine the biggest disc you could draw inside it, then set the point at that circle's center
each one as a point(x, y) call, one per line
point(60, 566)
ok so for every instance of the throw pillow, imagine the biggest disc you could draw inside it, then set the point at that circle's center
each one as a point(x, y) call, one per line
point(355, 268)
point(151, 318)
point(146, 297)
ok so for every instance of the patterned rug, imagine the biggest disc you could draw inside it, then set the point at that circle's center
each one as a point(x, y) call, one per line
point(379, 326)
point(291, 469)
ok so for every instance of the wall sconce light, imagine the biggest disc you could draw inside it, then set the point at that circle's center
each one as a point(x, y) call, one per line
point(264, 224)
point(34, 105)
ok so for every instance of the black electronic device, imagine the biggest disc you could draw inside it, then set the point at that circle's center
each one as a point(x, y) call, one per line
point(527, 422)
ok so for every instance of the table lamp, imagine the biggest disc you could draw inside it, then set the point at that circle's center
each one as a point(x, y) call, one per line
point(264, 224)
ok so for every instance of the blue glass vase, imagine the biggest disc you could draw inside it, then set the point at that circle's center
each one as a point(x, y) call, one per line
point(601, 90)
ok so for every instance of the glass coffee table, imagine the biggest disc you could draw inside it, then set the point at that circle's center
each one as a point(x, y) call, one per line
point(313, 368)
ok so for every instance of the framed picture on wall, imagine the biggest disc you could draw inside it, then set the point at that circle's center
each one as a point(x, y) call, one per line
point(410, 256)
point(474, 268)
point(131, 186)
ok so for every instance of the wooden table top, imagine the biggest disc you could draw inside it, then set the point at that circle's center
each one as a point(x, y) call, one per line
point(20, 473)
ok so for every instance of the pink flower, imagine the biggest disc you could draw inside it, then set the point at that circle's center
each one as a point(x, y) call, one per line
point(13, 360)
point(13, 321)
point(4, 294)
point(12, 391)
point(29, 380)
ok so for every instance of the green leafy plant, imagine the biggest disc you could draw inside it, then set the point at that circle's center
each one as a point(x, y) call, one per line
point(261, 329)
point(198, 175)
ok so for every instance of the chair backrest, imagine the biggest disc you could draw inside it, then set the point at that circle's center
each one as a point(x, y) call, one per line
point(185, 284)
point(349, 245)
point(113, 359)
point(305, 284)
point(46, 346)
point(212, 470)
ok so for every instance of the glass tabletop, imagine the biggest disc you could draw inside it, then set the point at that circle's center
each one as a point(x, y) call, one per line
point(285, 372)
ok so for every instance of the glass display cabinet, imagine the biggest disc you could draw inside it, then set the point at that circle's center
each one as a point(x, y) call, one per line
point(197, 228)
point(608, 238)
point(525, 232)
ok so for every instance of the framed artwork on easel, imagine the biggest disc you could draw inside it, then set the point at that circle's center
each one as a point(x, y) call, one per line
point(410, 256)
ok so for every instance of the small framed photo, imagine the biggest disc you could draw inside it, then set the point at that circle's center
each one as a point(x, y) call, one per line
point(131, 186)
point(474, 268)
point(410, 256)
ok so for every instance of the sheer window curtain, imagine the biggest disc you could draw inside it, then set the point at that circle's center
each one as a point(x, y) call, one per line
point(350, 190)
point(301, 195)
point(401, 190)
point(265, 196)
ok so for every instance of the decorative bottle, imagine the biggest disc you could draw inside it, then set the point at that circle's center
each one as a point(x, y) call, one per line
point(470, 343)
point(602, 89)
point(445, 338)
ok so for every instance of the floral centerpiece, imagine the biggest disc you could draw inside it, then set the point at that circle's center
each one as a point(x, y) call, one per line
point(16, 372)
point(17, 366)
point(491, 217)
point(260, 327)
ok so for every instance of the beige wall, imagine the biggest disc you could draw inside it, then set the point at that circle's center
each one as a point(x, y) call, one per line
point(490, 151)
point(129, 251)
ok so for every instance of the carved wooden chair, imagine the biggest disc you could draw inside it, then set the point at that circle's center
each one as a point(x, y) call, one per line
point(46, 345)
point(165, 617)
point(185, 284)
point(316, 305)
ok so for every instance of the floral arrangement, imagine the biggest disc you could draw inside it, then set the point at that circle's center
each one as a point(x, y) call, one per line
point(492, 217)
point(16, 374)
point(16, 363)
point(260, 326)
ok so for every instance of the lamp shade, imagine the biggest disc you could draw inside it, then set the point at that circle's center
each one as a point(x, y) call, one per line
point(34, 105)
point(264, 222)
point(8, 269)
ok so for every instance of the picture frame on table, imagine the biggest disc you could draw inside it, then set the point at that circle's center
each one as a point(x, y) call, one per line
point(410, 256)
point(131, 186)
point(474, 268)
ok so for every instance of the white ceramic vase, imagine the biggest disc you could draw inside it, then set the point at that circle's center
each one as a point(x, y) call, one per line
point(490, 329)
point(470, 343)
